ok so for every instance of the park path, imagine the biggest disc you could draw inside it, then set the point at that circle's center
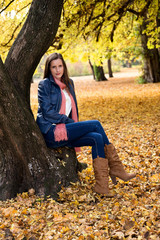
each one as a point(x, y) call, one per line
point(124, 73)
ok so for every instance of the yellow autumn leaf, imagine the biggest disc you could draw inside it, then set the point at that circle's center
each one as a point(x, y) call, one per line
point(155, 178)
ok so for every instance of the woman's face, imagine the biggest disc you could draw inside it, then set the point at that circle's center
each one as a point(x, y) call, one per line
point(57, 68)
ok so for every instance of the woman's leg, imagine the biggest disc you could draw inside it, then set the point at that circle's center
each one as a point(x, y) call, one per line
point(87, 133)
point(76, 131)
point(90, 139)
point(79, 129)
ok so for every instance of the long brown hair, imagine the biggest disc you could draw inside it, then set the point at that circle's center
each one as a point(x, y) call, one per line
point(47, 72)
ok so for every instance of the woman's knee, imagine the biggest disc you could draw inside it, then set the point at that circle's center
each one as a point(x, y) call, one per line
point(96, 122)
point(98, 125)
point(98, 138)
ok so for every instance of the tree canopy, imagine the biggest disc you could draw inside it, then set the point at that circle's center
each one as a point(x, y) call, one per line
point(93, 21)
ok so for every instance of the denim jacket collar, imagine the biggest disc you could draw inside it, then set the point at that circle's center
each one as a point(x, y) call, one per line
point(51, 78)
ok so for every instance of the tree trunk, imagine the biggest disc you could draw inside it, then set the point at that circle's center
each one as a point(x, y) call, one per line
point(151, 69)
point(94, 77)
point(128, 64)
point(110, 68)
point(25, 160)
point(99, 73)
point(35, 37)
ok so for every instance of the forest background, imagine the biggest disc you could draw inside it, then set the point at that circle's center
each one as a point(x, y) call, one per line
point(96, 32)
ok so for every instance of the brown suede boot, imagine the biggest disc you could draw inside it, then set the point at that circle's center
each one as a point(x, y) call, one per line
point(100, 166)
point(116, 168)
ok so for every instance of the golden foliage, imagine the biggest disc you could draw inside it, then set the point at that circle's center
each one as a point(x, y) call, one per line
point(130, 114)
point(11, 21)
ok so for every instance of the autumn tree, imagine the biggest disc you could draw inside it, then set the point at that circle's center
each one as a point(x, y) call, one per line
point(127, 41)
point(101, 20)
point(25, 160)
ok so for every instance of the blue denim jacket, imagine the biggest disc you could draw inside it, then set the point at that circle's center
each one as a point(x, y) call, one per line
point(49, 99)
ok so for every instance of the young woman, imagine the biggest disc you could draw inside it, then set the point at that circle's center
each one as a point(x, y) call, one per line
point(57, 119)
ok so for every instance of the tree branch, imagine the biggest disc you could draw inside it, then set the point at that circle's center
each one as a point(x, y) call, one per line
point(13, 33)
point(133, 11)
point(143, 11)
point(121, 11)
point(7, 6)
point(24, 7)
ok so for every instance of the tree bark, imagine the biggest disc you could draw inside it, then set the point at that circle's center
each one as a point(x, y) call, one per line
point(151, 69)
point(110, 68)
point(25, 161)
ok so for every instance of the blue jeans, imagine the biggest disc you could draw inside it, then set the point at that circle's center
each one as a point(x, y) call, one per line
point(85, 133)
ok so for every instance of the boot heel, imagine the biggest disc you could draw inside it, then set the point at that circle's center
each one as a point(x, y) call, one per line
point(114, 181)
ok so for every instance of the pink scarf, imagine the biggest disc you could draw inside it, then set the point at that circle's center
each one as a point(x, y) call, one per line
point(60, 132)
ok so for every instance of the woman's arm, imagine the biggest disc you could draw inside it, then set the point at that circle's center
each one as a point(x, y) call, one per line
point(48, 109)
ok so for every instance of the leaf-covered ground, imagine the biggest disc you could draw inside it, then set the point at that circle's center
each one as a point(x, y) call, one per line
point(130, 114)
